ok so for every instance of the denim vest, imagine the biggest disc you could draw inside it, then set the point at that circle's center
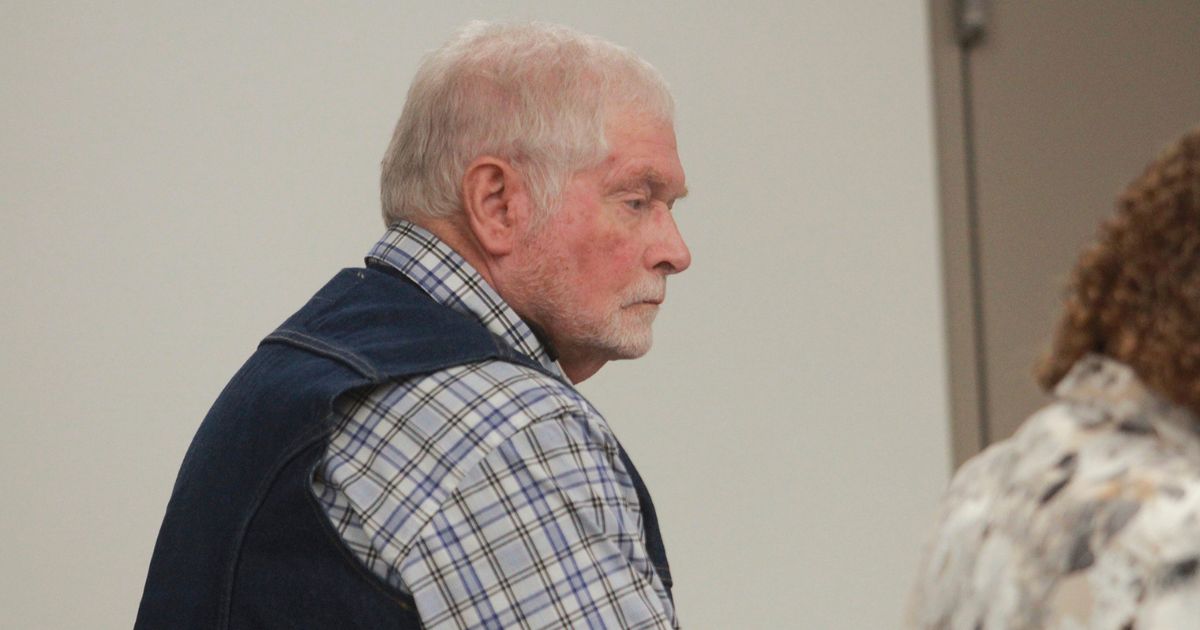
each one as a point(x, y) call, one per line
point(245, 543)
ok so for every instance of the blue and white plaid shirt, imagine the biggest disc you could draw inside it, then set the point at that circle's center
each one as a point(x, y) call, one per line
point(492, 493)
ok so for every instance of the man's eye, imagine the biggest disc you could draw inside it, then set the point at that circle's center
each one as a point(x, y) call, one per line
point(639, 203)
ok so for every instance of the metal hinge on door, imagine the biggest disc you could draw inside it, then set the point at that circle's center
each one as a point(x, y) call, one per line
point(971, 21)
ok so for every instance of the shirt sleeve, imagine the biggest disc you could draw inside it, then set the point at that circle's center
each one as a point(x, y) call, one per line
point(543, 532)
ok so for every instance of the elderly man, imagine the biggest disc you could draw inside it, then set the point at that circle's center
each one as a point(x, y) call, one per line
point(407, 450)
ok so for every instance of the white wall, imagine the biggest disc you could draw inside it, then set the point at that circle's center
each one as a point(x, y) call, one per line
point(175, 180)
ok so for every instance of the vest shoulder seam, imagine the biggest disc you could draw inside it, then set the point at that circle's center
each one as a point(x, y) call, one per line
point(327, 350)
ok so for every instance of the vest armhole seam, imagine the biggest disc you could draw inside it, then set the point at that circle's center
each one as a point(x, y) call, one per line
point(334, 537)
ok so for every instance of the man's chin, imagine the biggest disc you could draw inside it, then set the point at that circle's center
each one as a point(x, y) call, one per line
point(627, 356)
point(617, 343)
point(633, 348)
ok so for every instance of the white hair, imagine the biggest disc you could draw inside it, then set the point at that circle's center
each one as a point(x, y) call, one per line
point(537, 95)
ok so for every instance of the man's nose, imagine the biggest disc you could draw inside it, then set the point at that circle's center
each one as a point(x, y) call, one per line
point(669, 254)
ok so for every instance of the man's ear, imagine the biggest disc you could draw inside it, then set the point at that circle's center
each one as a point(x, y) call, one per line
point(496, 203)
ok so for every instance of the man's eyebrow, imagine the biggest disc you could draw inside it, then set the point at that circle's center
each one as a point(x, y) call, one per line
point(652, 177)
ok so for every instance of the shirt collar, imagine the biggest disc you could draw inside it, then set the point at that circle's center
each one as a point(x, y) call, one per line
point(450, 280)
point(1097, 378)
point(1115, 391)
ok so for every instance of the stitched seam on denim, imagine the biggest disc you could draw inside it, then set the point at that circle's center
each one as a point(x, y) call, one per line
point(664, 574)
point(301, 340)
point(291, 452)
point(327, 298)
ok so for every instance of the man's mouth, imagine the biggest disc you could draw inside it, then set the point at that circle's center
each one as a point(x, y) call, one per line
point(655, 301)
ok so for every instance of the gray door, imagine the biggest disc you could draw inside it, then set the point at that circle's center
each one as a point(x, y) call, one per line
point(1047, 112)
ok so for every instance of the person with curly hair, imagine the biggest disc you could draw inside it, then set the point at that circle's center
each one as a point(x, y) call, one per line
point(1089, 516)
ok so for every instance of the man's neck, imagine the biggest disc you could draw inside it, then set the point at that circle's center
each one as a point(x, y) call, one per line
point(578, 366)
point(462, 241)
point(579, 372)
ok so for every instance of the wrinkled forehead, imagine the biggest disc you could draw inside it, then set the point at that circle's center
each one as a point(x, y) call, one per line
point(642, 149)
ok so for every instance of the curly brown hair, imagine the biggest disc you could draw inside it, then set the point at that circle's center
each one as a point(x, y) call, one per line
point(1134, 295)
